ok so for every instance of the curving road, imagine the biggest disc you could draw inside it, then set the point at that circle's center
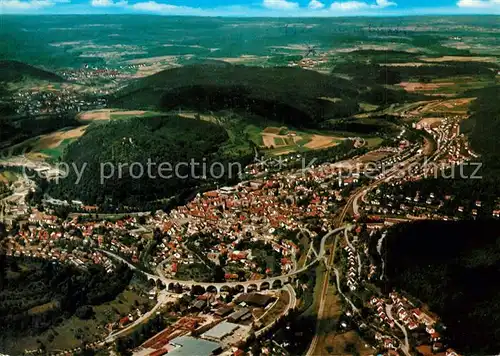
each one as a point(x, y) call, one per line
point(351, 205)
point(270, 280)
point(406, 346)
point(328, 261)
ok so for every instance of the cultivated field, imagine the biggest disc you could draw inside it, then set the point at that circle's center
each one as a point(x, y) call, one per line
point(108, 114)
point(283, 141)
point(460, 59)
point(243, 59)
point(7, 177)
point(55, 139)
point(193, 115)
point(430, 121)
point(454, 106)
point(320, 141)
point(413, 87)
point(374, 156)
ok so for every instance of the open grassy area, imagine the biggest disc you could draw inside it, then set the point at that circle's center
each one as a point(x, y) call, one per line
point(313, 308)
point(73, 332)
point(197, 271)
point(110, 114)
point(275, 312)
point(56, 152)
point(7, 177)
point(49, 146)
point(373, 141)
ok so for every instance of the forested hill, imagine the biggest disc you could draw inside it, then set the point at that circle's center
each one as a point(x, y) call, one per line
point(36, 295)
point(14, 71)
point(454, 267)
point(483, 127)
point(294, 96)
point(165, 139)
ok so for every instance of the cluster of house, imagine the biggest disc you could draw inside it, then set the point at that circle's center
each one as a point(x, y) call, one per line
point(124, 321)
point(352, 269)
point(309, 62)
point(392, 199)
point(388, 202)
point(389, 343)
point(45, 236)
point(83, 75)
point(252, 211)
point(453, 147)
point(397, 308)
point(36, 102)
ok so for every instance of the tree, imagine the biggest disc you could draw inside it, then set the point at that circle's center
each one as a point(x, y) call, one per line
point(219, 275)
point(84, 312)
point(197, 290)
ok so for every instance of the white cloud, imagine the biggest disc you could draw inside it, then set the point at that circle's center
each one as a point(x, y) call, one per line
point(280, 5)
point(383, 4)
point(316, 5)
point(348, 5)
point(168, 9)
point(16, 5)
point(153, 6)
point(107, 3)
point(360, 5)
point(479, 4)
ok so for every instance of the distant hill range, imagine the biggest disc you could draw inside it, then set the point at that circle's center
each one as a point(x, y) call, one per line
point(302, 98)
point(14, 71)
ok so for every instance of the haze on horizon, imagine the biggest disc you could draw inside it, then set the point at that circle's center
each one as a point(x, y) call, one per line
point(249, 8)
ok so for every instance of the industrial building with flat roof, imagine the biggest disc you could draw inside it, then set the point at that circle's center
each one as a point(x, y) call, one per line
point(189, 346)
point(220, 331)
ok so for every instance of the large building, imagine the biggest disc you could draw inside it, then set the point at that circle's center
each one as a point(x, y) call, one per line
point(240, 315)
point(220, 331)
point(255, 299)
point(189, 346)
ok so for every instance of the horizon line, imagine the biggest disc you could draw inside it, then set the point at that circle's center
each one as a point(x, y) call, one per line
point(253, 16)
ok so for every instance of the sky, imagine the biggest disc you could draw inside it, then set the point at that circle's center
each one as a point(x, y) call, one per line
point(253, 8)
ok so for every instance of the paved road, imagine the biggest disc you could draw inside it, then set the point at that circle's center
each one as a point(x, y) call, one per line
point(406, 346)
point(352, 204)
point(355, 204)
point(291, 304)
point(163, 298)
point(328, 262)
point(337, 277)
point(379, 250)
point(121, 259)
point(353, 199)
point(167, 281)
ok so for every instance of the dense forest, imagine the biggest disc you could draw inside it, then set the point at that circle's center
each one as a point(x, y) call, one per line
point(14, 71)
point(453, 267)
point(38, 294)
point(374, 71)
point(483, 127)
point(16, 130)
point(291, 96)
point(167, 140)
